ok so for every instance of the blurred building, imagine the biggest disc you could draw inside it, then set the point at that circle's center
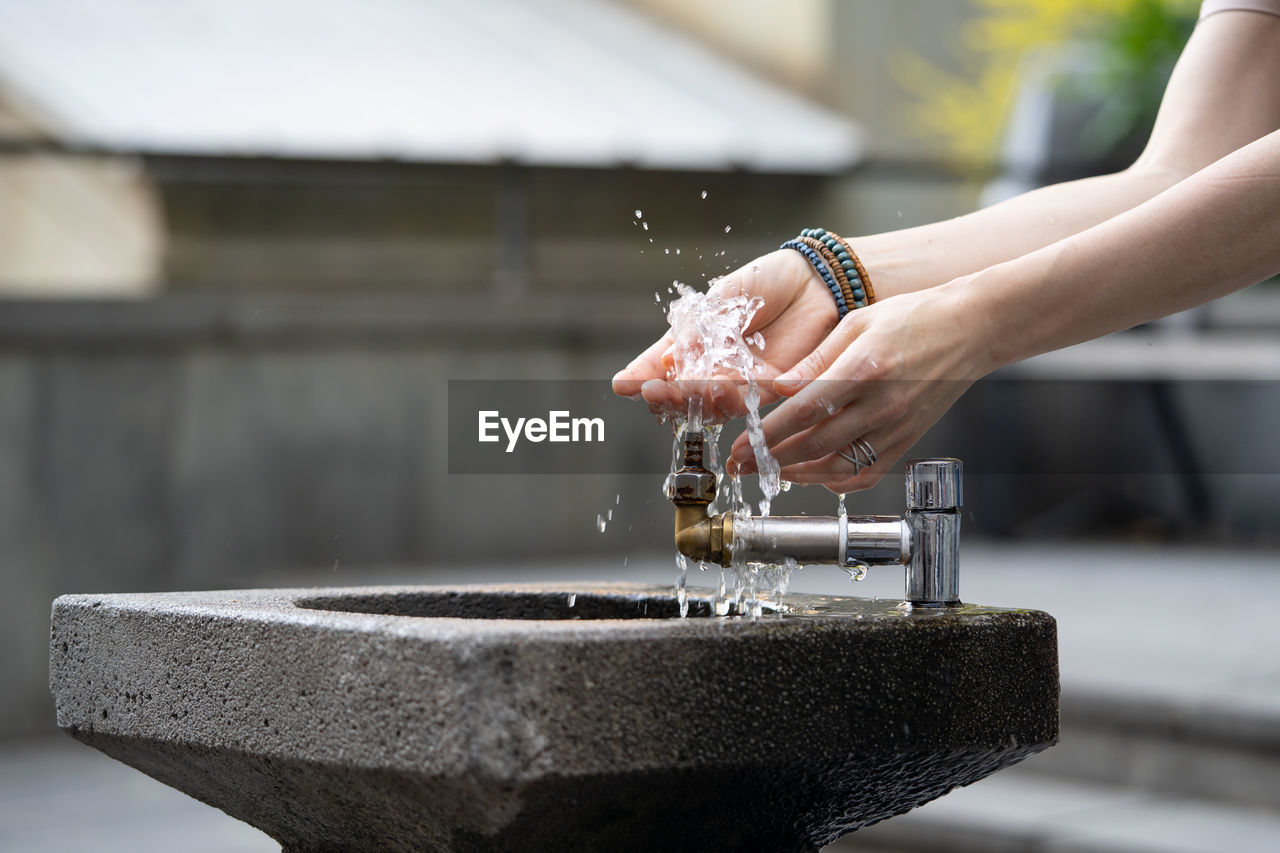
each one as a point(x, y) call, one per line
point(393, 144)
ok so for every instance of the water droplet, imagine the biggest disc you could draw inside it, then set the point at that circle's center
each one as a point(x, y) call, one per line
point(639, 213)
point(666, 251)
point(573, 598)
point(899, 214)
point(677, 251)
point(704, 193)
point(610, 515)
point(645, 225)
point(728, 228)
point(600, 522)
point(617, 499)
point(857, 572)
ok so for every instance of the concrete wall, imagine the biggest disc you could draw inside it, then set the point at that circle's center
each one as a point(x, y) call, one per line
point(249, 225)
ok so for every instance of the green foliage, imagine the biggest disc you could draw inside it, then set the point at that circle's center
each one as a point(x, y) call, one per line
point(1136, 48)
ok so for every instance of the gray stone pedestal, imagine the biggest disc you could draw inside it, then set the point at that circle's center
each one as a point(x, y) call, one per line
point(541, 718)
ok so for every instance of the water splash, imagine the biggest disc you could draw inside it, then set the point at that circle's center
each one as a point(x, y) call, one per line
point(709, 341)
point(858, 571)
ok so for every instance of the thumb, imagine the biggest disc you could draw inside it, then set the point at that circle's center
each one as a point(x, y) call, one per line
point(816, 363)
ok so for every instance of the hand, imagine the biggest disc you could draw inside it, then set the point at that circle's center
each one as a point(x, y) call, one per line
point(886, 374)
point(798, 312)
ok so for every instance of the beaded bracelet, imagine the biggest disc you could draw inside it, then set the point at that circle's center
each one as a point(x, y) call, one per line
point(839, 255)
point(816, 261)
point(833, 263)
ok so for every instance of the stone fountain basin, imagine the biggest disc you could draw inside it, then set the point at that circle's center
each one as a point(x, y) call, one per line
point(517, 719)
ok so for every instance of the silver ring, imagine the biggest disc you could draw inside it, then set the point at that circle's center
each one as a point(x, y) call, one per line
point(860, 453)
point(865, 446)
point(857, 464)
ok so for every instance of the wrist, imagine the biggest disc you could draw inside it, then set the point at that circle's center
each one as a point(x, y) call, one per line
point(979, 343)
point(893, 269)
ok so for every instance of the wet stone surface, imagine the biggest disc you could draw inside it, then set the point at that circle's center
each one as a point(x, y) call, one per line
point(469, 719)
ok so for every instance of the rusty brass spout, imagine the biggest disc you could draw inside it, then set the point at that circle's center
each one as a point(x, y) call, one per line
point(700, 537)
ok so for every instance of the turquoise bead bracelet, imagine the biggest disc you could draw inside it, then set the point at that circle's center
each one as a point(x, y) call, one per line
point(839, 253)
point(820, 266)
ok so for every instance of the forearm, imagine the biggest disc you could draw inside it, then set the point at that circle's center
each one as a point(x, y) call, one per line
point(1213, 233)
point(915, 258)
point(1222, 96)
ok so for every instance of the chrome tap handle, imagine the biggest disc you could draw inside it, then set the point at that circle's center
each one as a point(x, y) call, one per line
point(934, 484)
point(934, 497)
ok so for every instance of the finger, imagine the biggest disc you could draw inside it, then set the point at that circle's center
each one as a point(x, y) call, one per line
point(812, 444)
point(812, 400)
point(661, 397)
point(816, 403)
point(825, 438)
point(823, 356)
point(729, 399)
point(644, 367)
point(677, 397)
point(839, 475)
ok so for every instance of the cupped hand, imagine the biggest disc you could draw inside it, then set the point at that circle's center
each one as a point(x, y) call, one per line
point(886, 374)
point(797, 314)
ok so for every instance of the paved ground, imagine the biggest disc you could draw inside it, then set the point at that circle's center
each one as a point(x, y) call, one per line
point(1186, 626)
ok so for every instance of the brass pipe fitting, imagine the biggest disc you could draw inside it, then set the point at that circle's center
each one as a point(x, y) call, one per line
point(707, 539)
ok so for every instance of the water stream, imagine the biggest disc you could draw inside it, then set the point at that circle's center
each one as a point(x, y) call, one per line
point(711, 346)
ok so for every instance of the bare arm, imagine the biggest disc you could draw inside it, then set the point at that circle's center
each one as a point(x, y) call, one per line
point(893, 369)
point(1223, 94)
point(1211, 234)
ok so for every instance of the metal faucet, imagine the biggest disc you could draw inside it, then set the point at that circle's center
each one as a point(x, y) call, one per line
point(926, 539)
